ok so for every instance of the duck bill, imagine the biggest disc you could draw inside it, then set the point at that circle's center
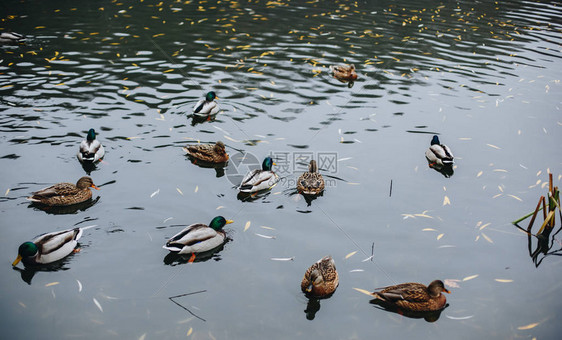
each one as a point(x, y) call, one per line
point(229, 221)
point(18, 259)
point(447, 291)
point(95, 187)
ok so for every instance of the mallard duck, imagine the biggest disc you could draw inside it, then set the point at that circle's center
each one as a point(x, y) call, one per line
point(344, 72)
point(321, 279)
point(48, 248)
point(62, 194)
point(439, 154)
point(311, 182)
point(198, 237)
point(414, 296)
point(91, 149)
point(208, 152)
point(11, 38)
point(207, 106)
point(257, 180)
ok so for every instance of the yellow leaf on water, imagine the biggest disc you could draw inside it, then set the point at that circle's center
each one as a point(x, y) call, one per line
point(529, 326)
point(190, 331)
point(470, 277)
point(196, 188)
point(350, 254)
point(363, 291)
point(484, 226)
point(178, 189)
point(480, 174)
point(487, 238)
point(493, 146)
point(504, 280)
point(247, 225)
point(219, 207)
point(7, 192)
point(429, 229)
point(231, 139)
point(446, 201)
point(517, 198)
point(52, 284)
point(440, 236)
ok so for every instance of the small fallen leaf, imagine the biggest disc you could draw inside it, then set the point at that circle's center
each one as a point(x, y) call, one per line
point(363, 291)
point(446, 201)
point(487, 238)
point(196, 188)
point(470, 277)
point(504, 280)
point(440, 236)
point(282, 258)
point(529, 326)
point(190, 331)
point(350, 254)
point(247, 225)
point(429, 229)
point(98, 304)
point(265, 236)
point(52, 284)
point(79, 286)
point(178, 189)
point(155, 193)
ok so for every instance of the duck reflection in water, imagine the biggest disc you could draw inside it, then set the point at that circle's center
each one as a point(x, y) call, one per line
point(28, 272)
point(427, 316)
point(174, 258)
point(69, 209)
point(445, 170)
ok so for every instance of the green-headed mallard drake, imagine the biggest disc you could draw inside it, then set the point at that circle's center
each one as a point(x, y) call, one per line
point(207, 106)
point(91, 149)
point(11, 38)
point(344, 72)
point(208, 152)
point(414, 296)
point(439, 154)
point(321, 279)
point(48, 248)
point(198, 237)
point(258, 180)
point(311, 182)
point(62, 194)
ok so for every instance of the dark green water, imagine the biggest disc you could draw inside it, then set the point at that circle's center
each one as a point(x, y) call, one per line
point(484, 76)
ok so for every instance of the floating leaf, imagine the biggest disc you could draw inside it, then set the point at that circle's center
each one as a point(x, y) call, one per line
point(196, 188)
point(190, 331)
point(155, 193)
point(178, 189)
point(529, 326)
point(493, 146)
point(504, 280)
point(142, 337)
point(446, 201)
point(265, 236)
point(440, 236)
point(487, 238)
point(356, 270)
point(79, 286)
point(7, 192)
point(52, 284)
point(484, 226)
point(247, 225)
point(363, 291)
point(479, 174)
point(98, 305)
point(470, 277)
point(517, 198)
point(282, 258)
point(268, 228)
point(459, 317)
point(350, 254)
point(429, 229)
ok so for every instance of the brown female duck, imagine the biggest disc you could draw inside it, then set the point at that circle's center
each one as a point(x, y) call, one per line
point(414, 297)
point(321, 279)
point(62, 194)
point(208, 152)
point(344, 72)
point(311, 182)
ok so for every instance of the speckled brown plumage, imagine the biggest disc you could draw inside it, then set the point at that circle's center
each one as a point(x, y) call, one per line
point(344, 72)
point(62, 194)
point(414, 296)
point(321, 279)
point(208, 152)
point(311, 182)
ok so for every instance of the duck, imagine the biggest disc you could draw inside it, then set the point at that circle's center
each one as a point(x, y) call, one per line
point(258, 180)
point(321, 279)
point(11, 38)
point(344, 72)
point(198, 237)
point(63, 194)
point(207, 106)
point(208, 152)
point(49, 248)
point(91, 149)
point(439, 154)
point(311, 182)
point(414, 297)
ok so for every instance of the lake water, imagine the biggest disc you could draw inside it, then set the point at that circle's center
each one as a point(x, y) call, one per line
point(485, 76)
